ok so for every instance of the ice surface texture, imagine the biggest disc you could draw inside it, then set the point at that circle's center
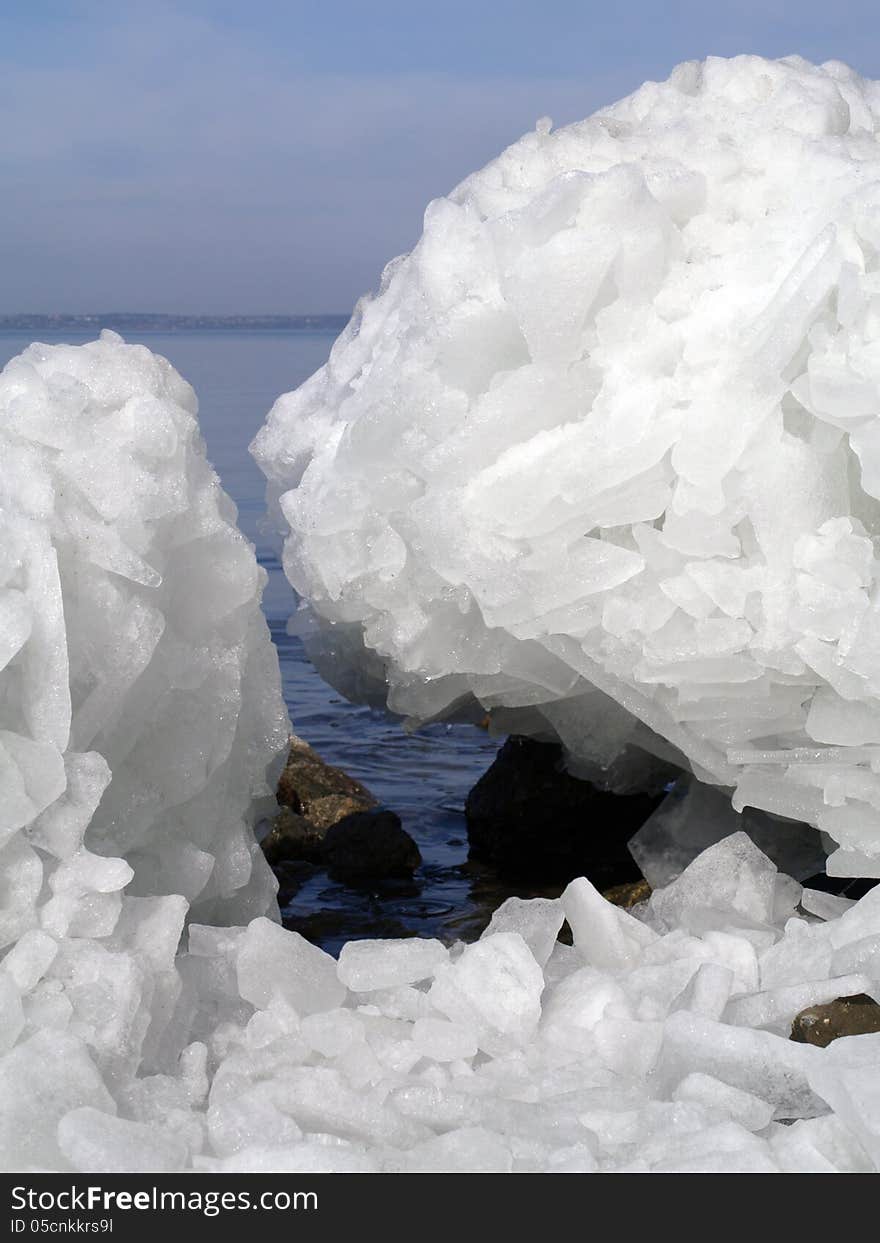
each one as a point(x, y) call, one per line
point(604, 452)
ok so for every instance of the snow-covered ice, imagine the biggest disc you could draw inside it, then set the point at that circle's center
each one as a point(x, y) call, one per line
point(603, 454)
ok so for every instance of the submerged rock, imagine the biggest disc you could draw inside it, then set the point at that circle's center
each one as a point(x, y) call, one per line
point(526, 816)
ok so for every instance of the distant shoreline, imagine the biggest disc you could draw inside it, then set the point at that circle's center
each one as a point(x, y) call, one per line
point(138, 321)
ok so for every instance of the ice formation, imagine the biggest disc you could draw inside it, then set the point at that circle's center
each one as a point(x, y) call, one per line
point(154, 1016)
point(604, 452)
point(140, 706)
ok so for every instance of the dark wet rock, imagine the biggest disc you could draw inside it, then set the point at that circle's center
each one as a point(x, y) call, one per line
point(628, 895)
point(329, 820)
point(846, 1016)
point(317, 791)
point(313, 797)
point(527, 817)
point(369, 844)
point(292, 837)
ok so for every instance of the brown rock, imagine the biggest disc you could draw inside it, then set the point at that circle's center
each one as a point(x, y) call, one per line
point(845, 1016)
point(327, 819)
point(319, 792)
point(292, 837)
point(628, 895)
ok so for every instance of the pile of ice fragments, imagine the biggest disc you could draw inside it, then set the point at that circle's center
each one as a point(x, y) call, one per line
point(587, 434)
point(604, 452)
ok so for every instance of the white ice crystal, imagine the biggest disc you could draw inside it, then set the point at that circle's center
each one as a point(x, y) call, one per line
point(603, 454)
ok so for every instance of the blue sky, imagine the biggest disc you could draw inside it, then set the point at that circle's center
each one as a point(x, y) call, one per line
point(179, 155)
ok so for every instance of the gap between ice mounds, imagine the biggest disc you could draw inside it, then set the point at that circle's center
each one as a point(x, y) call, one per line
point(603, 454)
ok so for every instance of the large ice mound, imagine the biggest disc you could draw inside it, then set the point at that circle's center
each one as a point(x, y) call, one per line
point(604, 452)
point(139, 690)
point(140, 706)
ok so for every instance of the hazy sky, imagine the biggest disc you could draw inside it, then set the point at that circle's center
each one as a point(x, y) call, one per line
point(263, 155)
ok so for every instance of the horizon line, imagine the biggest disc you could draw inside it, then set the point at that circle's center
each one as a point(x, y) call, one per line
point(100, 318)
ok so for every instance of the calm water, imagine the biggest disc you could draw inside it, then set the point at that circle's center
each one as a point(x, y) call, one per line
point(424, 777)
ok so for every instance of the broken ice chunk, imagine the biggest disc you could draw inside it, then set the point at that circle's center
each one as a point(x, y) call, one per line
point(272, 960)
point(730, 883)
point(368, 965)
point(537, 920)
point(99, 1143)
point(494, 988)
point(604, 934)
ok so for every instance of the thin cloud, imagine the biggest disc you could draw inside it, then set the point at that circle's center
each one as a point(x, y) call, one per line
point(172, 156)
